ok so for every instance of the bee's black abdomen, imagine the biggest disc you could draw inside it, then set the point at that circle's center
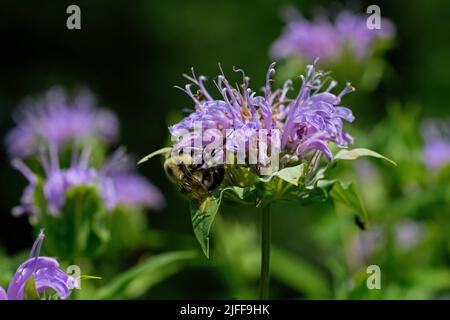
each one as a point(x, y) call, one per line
point(213, 177)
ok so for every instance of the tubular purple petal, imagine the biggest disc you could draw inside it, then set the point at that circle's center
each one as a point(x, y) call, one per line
point(46, 273)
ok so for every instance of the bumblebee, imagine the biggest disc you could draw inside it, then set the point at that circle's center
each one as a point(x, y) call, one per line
point(194, 180)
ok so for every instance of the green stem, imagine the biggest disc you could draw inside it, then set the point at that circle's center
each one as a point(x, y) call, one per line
point(265, 253)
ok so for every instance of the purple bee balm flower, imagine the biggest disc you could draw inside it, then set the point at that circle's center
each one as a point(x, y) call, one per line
point(46, 272)
point(327, 40)
point(56, 120)
point(354, 33)
point(408, 233)
point(307, 123)
point(57, 180)
point(436, 149)
point(130, 189)
point(306, 39)
point(114, 182)
point(60, 180)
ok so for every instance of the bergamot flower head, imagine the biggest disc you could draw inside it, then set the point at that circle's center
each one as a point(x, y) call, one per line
point(327, 39)
point(56, 119)
point(296, 125)
point(117, 182)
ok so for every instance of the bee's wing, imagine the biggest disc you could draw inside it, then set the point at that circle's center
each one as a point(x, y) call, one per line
point(198, 190)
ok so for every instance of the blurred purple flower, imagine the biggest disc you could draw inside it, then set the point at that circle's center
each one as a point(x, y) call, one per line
point(408, 233)
point(55, 119)
point(114, 181)
point(306, 123)
point(365, 170)
point(364, 244)
point(46, 272)
point(57, 181)
point(436, 149)
point(437, 153)
point(353, 32)
point(306, 39)
point(131, 189)
point(327, 40)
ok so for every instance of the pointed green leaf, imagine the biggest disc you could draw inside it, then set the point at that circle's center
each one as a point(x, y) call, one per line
point(164, 151)
point(291, 175)
point(286, 184)
point(237, 195)
point(354, 154)
point(202, 219)
point(346, 194)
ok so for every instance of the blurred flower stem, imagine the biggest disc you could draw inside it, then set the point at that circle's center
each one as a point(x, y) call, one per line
point(265, 253)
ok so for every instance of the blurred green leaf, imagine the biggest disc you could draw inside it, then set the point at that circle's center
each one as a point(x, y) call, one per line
point(77, 230)
point(299, 274)
point(137, 280)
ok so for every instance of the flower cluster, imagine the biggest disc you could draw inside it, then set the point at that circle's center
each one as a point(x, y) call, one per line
point(304, 124)
point(46, 273)
point(326, 39)
point(55, 119)
point(54, 123)
point(436, 151)
point(117, 183)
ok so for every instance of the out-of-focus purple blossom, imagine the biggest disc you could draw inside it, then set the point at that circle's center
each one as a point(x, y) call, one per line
point(308, 39)
point(408, 233)
point(326, 39)
point(114, 182)
point(27, 199)
point(436, 149)
point(131, 189)
point(46, 272)
point(57, 181)
point(56, 119)
point(365, 171)
point(353, 32)
point(307, 122)
point(365, 243)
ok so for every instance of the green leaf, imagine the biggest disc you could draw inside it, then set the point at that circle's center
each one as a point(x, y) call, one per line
point(285, 184)
point(202, 219)
point(76, 231)
point(299, 274)
point(31, 292)
point(346, 194)
point(354, 154)
point(237, 195)
point(317, 193)
point(137, 280)
point(164, 151)
point(291, 175)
